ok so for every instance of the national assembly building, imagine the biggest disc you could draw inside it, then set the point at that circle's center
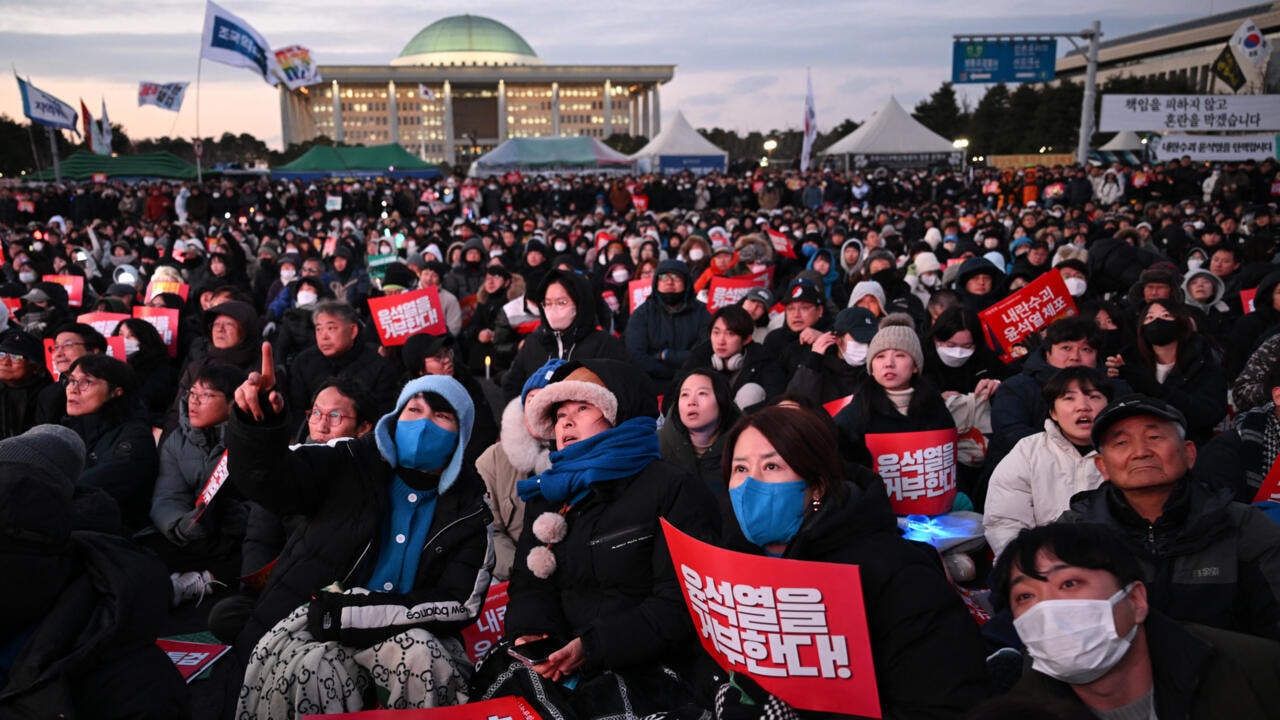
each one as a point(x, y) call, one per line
point(463, 85)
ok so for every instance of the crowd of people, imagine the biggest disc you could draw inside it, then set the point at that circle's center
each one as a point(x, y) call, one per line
point(343, 506)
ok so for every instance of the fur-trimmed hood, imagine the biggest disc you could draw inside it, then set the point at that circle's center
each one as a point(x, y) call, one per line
point(526, 453)
point(619, 389)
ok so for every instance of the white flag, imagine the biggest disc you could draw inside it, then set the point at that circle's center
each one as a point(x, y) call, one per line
point(44, 109)
point(106, 129)
point(165, 95)
point(1250, 44)
point(232, 41)
point(425, 92)
point(810, 125)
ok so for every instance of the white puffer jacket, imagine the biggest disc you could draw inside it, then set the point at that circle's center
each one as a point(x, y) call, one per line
point(1034, 483)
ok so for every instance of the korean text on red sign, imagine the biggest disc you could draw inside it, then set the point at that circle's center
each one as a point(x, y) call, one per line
point(798, 628)
point(165, 321)
point(398, 317)
point(726, 291)
point(1027, 311)
point(488, 628)
point(919, 469)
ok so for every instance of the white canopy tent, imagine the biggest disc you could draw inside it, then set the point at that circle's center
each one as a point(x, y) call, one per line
point(891, 137)
point(1124, 140)
point(680, 147)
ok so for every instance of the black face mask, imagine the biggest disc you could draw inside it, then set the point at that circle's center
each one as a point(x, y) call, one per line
point(1160, 332)
point(887, 277)
point(671, 298)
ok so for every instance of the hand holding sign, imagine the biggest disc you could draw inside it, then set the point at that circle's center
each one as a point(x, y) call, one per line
point(258, 384)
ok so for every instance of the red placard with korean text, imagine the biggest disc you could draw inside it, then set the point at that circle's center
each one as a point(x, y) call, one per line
point(73, 284)
point(503, 708)
point(165, 321)
point(397, 317)
point(1246, 299)
point(1270, 490)
point(638, 291)
point(103, 322)
point(1025, 312)
point(216, 480)
point(167, 286)
point(640, 203)
point(48, 358)
point(797, 628)
point(488, 628)
point(726, 291)
point(191, 658)
point(781, 244)
point(918, 468)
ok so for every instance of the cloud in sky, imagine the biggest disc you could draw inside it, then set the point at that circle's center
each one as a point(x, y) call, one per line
point(739, 65)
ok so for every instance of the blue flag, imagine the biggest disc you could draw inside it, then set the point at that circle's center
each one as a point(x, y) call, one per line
point(44, 109)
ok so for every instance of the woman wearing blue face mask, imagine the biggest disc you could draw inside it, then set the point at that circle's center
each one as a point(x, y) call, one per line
point(791, 499)
point(392, 558)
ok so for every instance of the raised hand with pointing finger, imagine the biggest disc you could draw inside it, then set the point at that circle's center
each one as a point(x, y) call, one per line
point(250, 393)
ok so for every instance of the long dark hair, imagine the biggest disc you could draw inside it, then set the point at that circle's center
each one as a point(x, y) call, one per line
point(803, 440)
point(1185, 331)
point(729, 412)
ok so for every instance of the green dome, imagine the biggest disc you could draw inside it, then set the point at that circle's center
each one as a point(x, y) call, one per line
point(467, 33)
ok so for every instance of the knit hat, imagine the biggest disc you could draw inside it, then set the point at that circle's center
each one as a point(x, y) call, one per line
point(540, 378)
point(38, 472)
point(760, 295)
point(865, 288)
point(580, 384)
point(398, 273)
point(897, 332)
point(752, 253)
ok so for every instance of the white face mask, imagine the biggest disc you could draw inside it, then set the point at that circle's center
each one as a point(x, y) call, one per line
point(929, 280)
point(560, 318)
point(560, 247)
point(37, 245)
point(148, 240)
point(855, 353)
point(621, 275)
point(757, 268)
point(307, 298)
point(1074, 641)
point(26, 276)
point(1076, 286)
point(696, 254)
point(130, 347)
point(288, 276)
point(495, 253)
point(954, 357)
point(1195, 264)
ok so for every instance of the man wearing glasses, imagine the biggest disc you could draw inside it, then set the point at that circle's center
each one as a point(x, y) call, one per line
point(71, 342)
point(22, 377)
point(338, 352)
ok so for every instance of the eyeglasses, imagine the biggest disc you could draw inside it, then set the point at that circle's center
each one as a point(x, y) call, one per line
point(11, 357)
point(669, 277)
point(335, 417)
point(81, 384)
point(68, 345)
point(445, 354)
point(228, 325)
point(561, 303)
point(200, 398)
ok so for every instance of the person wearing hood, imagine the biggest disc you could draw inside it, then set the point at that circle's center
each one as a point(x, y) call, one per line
point(791, 499)
point(233, 338)
point(466, 278)
point(823, 264)
point(925, 276)
point(593, 568)
point(78, 638)
point(852, 255)
point(437, 355)
point(1203, 292)
point(663, 330)
point(392, 558)
point(568, 329)
point(979, 283)
point(22, 379)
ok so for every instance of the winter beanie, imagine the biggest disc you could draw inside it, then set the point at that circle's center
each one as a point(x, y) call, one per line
point(897, 332)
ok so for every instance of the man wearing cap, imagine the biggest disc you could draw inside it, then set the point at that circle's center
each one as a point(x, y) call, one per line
point(1211, 560)
point(806, 320)
point(663, 330)
point(757, 302)
point(338, 352)
point(836, 365)
point(22, 377)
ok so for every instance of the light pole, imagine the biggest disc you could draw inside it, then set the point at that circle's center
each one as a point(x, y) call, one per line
point(769, 146)
point(962, 144)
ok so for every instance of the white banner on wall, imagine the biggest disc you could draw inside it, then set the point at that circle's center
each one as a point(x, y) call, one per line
point(1194, 113)
point(1211, 148)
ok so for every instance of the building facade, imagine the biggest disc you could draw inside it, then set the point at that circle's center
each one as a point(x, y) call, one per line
point(463, 85)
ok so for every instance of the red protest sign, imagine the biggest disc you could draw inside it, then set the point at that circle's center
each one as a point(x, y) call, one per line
point(918, 469)
point(611, 300)
point(488, 628)
point(103, 322)
point(73, 284)
point(726, 291)
point(216, 480)
point(835, 406)
point(604, 238)
point(396, 317)
point(115, 348)
point(640, 202)
point(503, 708)
point(157, 287)
point(14, 304)
point(781, 244)
point(1246, 299)
point(99, 177)
point(1270, 490)
point(1025, 312)
point(48, 358)
point(165, 321)
point(468, 306)
point(798, 628)
point(638, 291)
point(191, 658)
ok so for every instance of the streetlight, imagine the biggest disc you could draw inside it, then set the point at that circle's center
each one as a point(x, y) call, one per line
point(769, 146)
point(961, 144)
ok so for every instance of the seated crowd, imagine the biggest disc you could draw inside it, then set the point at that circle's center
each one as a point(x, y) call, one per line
point(201, 409)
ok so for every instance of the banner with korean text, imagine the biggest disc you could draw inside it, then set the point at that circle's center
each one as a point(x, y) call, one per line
point(73, 284)
point(1202, 113)
point(1025, 312)
point(487, 630)
point(638, 291)
point(163, 95)
point(797, 628)
point(232, 41)
point(103, 322)
point(918, 468)
point(165, 321)
point(1208, 148)
point(397, 317)
point(726, 291)
point(156, 287)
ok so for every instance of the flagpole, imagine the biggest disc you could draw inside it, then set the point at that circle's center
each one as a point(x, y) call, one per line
point(34, 155)
point(53, 146)
point(199, 65)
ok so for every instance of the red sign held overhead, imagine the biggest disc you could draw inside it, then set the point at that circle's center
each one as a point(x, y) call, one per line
point(797, 628)
point(165, 321)
point(918, 468)
point(640, 203)
point(103, 322)
point(725, 291)
point(156, 287)
point(638, 291)
point(73, 284)
point(1026, 312)
point(397, 317)
point(781, 244)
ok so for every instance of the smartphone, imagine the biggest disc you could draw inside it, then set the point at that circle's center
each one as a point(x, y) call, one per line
point(536, 652)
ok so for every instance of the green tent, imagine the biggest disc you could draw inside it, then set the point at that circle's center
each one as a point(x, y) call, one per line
point(322, 162)
point(83, 165)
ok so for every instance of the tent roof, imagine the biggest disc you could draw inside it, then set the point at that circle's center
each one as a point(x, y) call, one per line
point(83, 165)
point(549, 152)
point(890, 131)
point(326, 161)
point(678, 137)
point(1124, 140)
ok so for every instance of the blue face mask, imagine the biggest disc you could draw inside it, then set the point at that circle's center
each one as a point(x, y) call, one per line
point(768, 512)
point(808, 250)
point(423, 445)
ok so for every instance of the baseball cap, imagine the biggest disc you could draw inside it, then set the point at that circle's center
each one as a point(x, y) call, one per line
point(858, 322)
point(760, 295)
point(802, 290)
point(1127, 406)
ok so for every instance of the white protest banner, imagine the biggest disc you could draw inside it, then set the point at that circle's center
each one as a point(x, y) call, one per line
point(1214, 147)
point(162, 95)
point(1203, 113)
point(232, 41)
point(42, 108)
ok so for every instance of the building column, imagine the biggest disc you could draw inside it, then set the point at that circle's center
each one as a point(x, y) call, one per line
point(502, 110)
point(657, 110)
point(634, 105)
point(555, 109)
point(449, 155)
point(393, 110)
point(286, 117)
point(608, 109)
point(338, 135)
point(644, 114)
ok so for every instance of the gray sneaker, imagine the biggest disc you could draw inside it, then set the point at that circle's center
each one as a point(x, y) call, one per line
point(193, 585)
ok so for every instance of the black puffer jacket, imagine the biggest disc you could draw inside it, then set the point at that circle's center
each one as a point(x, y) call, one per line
point(1209, 560)
point(918, 625)
point(871, 412)
point(1197, 386)
point(580, 341)
point(360, 362)
point(660, 336)
point(121, 459)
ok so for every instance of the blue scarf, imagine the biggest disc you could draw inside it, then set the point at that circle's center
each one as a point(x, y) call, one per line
point(616, 453)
